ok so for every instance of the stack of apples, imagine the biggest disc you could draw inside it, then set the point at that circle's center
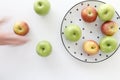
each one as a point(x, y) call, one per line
point(89, 14)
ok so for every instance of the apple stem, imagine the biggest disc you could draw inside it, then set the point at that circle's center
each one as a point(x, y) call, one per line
point(20, 28)
point(43, 49)
point(74, 33)
point(40, 3)
point(108, 44)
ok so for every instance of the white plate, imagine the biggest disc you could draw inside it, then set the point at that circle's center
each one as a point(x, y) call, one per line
point(90, 31)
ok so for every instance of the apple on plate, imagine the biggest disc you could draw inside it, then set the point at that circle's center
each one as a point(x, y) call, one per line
point(72, 32)
point(21, 28)
point(44, 48)
point(42, 7)
point(108, 44)
point(89, 14)
point(106, 12)
point(109, 28)
point(91, 47)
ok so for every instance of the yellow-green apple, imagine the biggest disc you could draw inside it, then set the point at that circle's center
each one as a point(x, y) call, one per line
point(109, 28)
point(44, 48)
point(106, 12)
point(42, 7)
point(72, 32)
point(89, 14)
point(91, 47)
point(108, 44)
point(21, 28)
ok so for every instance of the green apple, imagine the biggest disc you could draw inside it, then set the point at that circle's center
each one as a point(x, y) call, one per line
point(42, 7)
point(108, 44)
point(21, 28)
point(44, 48)
point(72, 32)
point(91, 47)
point(106, 12)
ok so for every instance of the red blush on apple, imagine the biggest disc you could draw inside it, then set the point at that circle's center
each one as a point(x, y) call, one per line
point(109, 28)
point(89, 14)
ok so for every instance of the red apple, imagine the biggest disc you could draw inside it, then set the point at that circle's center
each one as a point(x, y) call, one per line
point(89, 14)
point(91, 47)
point(109, 28)
point(21, 28)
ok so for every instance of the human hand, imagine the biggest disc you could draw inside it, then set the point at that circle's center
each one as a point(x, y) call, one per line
point(4, 19)
point(10, 38)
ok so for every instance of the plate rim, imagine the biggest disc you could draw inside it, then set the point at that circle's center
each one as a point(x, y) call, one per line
point(62, 33)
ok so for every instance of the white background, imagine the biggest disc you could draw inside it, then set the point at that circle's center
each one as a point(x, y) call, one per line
point(23, 63)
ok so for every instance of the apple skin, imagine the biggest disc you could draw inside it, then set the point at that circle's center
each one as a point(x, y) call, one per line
point(42, 7)
point(109, 28)
point(73, 32)
point(21, 28)
point(44, 48)
point(108, 44)
point(91, 47)
point(89, 14)
point(106, 12)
